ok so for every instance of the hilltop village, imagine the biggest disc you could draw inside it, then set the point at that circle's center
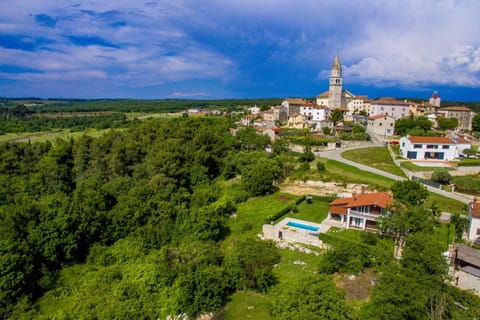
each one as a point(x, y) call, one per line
point(338, 109)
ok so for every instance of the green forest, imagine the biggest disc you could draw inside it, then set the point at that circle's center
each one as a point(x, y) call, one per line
point(139, 224)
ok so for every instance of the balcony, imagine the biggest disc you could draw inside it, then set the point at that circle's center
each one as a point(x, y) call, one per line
point(371, 216)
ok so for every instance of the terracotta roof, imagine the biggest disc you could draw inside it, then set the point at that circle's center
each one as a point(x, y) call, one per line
point(475, 208)
point(340, 201)
point(295, 100)
point(380, 199)
point(443, 140)
point(456, 108)
point(462, 140)
point(378, 116)
point(324, 94)
point(390, 101)
point(338, 210)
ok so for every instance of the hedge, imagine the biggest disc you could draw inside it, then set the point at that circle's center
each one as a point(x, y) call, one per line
point(284, 211)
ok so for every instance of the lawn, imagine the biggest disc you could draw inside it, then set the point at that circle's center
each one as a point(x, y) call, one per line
point(375, 157)
point(340, 172)
point(444, 203)
point(468, 184)
point(315, 212)
point(413, 167)
point(51, 135)
point(252, 214)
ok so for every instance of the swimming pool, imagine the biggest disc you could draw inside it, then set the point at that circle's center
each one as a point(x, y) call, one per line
point(302, 226)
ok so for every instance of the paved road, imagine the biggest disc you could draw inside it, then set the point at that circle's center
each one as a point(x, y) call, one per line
point(337, 155)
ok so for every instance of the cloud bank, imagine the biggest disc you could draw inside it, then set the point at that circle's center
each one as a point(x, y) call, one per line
point(213, 48)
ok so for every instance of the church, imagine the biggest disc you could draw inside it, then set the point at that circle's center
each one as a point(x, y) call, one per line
point(338, 98)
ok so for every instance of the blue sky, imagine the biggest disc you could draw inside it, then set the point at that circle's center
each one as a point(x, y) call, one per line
point(238, 49)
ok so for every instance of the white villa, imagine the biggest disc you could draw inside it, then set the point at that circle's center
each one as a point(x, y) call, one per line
point(361, 210)
point(432, 148)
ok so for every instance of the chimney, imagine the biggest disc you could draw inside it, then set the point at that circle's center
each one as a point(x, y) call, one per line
point(354, 196)
point(363, 189)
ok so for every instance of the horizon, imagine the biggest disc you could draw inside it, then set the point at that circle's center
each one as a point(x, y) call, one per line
point(212, 50)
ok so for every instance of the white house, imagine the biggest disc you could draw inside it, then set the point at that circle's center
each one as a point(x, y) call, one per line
point(360, 211)
point(390, 107)
point(474, 221)
point(381, 125)
point(314, 112)
point(431, 148)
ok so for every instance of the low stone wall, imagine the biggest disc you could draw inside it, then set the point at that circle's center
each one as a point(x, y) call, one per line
point(465, 170)
point(270, 232)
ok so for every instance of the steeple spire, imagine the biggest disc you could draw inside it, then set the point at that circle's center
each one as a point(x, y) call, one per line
point(336, 63)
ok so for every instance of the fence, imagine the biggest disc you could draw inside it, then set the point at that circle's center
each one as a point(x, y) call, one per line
point(427, 182)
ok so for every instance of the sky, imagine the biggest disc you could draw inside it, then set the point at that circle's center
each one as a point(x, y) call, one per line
point(212, 49)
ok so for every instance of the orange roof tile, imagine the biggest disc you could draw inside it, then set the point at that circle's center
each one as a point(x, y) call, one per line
point(338, 210)
point(462, 140)
point(455, 108)
point(340, 201)
point(443, 140)
point(378, 116)
point(390, 101)
point(380, 199)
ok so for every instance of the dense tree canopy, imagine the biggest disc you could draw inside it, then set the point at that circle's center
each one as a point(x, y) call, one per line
point(145, 212)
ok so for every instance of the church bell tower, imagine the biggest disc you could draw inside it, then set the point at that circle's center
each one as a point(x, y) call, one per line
point(335, 87)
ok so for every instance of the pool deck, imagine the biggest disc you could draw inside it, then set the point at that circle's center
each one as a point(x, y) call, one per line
point(282, 232)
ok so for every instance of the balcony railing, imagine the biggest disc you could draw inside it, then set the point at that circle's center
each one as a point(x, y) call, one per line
point(364, 214)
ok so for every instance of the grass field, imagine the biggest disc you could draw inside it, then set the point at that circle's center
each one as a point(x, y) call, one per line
point(413, 167)
point(51, 135)
point(340, 172)
point(251, 214)
point(315, 212)
point(375, 157)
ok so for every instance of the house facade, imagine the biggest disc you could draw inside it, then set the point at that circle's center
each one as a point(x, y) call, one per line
point(381, 125)
point(474, 221)
point(432, 148)
point(360, 211)
point(390, 107)
point(296, 121)
point(462, 113)
point(292, 105)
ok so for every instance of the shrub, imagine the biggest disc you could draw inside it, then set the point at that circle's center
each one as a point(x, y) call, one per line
point(320, 166)
point(441, 176)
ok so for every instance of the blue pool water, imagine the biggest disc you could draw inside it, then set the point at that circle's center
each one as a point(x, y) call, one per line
point(302, 226)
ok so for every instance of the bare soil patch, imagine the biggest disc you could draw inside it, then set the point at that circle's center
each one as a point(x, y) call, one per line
point(321, 188)
point(358, 287)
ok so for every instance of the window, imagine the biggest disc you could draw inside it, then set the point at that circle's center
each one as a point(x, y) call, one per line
point(432, 146)
point(478, 231)
point(380, 124)
point(445, 147)
point(417, 146)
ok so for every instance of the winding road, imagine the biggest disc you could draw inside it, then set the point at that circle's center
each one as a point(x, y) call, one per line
point(337, 155)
